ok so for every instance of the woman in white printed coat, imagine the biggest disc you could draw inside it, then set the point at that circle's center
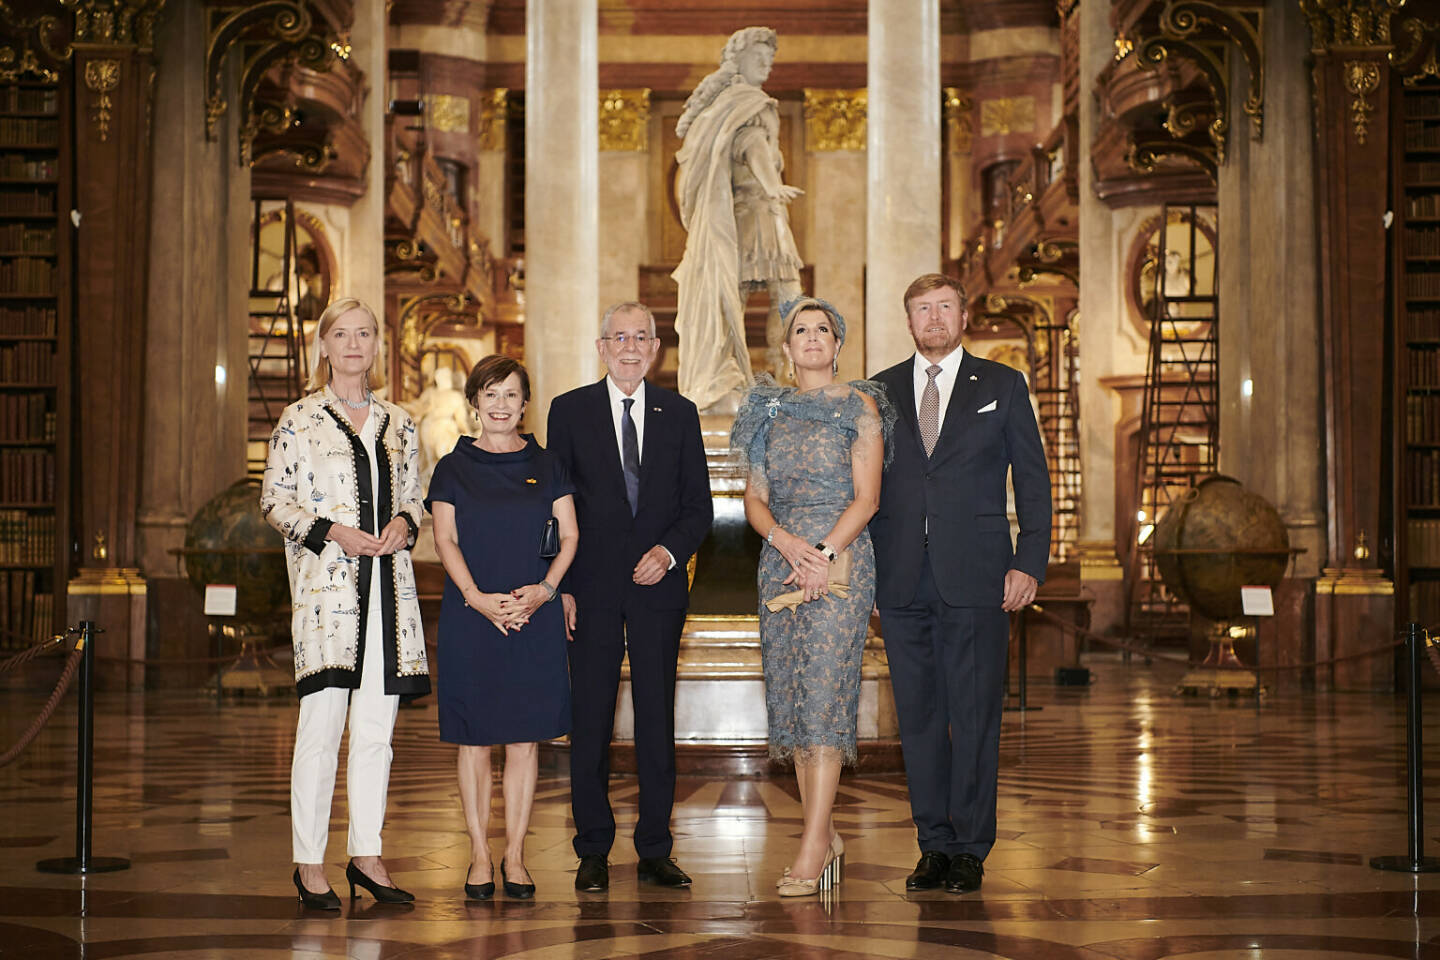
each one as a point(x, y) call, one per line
point(342, 484)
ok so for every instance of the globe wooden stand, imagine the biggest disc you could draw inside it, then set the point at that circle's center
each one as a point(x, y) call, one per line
point(1222, 671)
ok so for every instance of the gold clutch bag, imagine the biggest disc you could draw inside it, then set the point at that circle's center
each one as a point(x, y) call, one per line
point(838, 581)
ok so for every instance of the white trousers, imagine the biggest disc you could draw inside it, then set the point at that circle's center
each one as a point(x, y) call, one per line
point(367, 769)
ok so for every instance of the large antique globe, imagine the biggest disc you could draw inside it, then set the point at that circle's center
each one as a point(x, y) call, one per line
point(1215, 539)
point(227, 541)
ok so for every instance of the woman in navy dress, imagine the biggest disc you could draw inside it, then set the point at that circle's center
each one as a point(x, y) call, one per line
point(502, 671)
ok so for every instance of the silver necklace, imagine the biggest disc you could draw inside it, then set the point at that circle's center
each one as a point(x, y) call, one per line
point(357, 404)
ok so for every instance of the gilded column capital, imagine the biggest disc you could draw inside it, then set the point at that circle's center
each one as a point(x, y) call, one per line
point(959, 111)
point(625, 120)
point(835, 119)
point(121, 22)
point(490, 112)
point(1349, 23)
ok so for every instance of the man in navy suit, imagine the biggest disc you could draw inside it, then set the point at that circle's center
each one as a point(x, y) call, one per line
point(642, 499)
point(948, 574)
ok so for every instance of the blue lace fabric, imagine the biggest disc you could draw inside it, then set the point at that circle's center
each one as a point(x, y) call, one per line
point(797, 446)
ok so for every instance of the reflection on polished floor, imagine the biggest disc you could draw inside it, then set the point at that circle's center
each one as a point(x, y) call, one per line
point(1133, 824)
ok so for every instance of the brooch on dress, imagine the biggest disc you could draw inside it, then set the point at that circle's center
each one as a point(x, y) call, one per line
point(772, 409)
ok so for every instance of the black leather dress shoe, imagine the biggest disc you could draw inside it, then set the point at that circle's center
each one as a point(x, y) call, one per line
point(965, 873)
point(593, 874)
point(929, 872)
point(661, 871)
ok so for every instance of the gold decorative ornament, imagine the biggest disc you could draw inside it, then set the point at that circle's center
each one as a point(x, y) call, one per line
point(1362, 546)
point(1005, 115)
point(1123, 46)
point(836, 119)
point(448, 114)
point(490, 121)
point(116, 21)
point(1349, 23)
point(102, 76)
point(959, 111)
point(624, 120)
point(1242, 26)
point(1362, 78)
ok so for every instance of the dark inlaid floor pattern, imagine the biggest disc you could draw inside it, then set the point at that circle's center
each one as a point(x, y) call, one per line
point(1133, 825)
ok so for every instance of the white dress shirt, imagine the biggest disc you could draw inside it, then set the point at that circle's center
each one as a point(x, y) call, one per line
point(637, 413)
point(944, 381)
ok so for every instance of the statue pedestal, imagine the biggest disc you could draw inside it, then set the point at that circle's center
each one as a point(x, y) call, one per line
point(720, 720)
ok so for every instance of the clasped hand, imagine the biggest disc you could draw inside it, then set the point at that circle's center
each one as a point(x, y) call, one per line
point(357, 543)
point(809, 568)
point(508, 611)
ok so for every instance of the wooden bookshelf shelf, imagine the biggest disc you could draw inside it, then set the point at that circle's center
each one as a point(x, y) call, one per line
point(36, 161)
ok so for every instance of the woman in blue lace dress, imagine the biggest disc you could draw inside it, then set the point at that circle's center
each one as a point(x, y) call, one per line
point(815, 453)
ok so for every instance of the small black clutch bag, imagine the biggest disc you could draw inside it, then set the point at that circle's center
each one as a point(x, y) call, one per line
point(550, 539)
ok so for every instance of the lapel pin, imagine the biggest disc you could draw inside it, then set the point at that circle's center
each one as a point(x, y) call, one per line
point(530, 480)
point(654, 409)
point(973, 377)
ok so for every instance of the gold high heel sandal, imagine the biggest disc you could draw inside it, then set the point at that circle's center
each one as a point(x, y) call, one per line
point(791, 886)
point(837, 847)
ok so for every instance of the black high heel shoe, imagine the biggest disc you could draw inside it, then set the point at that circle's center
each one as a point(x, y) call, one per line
point(381, 893)
point(480, 891)
point(316, 901)
point(516, 891)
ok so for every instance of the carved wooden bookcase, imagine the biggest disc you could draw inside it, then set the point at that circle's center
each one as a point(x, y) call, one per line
point(35, 381)
point(1416, 265)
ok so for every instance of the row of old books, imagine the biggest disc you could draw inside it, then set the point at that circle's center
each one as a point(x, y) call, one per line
point(27, 537)
point(28, 132)
point(1422, 324)
point(26, 617)
point(1423, 367)
point(1422, 170)
point(1422, 419)
point(1424, 204)
point(26, 202)
point(29, 320)
point(29, 99)
point(1422, 241)
point(26, 417)
point(1423, 478)
point(28, 363)
point(1424, 547)
point(21, 238)
point(18, 166)
point(1420, 135)
point(27, 476)
point(27, 275)
point(1422, 285)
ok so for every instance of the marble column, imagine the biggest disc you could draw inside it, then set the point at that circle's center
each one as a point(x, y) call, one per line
point(364, 269)
point(195, 374)
point(1102, 314)
point(562, 294)
point(902, 228)
point(835, 154)
point(623, 212)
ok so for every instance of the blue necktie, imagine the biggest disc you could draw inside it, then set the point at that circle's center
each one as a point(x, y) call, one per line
point(630, 460)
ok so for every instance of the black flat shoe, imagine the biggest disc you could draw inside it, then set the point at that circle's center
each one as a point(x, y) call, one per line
point(381, 893)
point(515, 891)
point(480, 891)
point(930, 872)
point(316, 901)
point(965, 874)
point(662, 871)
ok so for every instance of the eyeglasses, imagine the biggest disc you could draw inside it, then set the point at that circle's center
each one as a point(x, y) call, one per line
point(638, 339)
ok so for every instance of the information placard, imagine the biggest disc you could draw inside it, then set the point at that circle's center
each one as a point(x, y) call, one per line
point(220, 600)
point(1257, 601)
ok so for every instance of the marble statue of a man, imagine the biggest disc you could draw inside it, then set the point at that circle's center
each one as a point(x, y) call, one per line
point(733, 205)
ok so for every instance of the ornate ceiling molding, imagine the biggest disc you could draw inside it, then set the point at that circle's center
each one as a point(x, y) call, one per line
point(624, 120)
point(836, 119)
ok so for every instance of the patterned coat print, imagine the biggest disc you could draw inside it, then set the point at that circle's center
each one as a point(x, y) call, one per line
point(317, 474)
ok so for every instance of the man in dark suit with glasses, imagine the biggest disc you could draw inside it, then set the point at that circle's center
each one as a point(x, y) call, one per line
point(642, 501)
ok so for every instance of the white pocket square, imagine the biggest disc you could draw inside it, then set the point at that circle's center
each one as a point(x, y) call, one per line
point(988, 407)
